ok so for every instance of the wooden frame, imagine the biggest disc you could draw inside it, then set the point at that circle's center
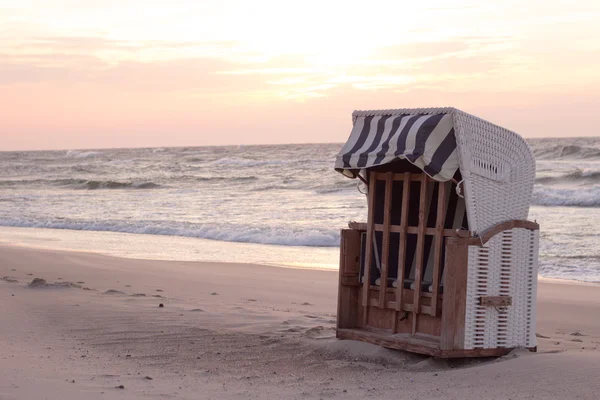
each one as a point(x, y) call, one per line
point(428, 322)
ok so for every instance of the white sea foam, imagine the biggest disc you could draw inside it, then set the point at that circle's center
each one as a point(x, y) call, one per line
point(317, 237)
point(574, 197)
point(578, 270)
point(82, 154)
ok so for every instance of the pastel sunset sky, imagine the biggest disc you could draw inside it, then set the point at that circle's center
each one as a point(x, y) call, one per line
point(133, 73)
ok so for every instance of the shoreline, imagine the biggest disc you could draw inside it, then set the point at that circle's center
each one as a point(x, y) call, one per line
point(255, 253)
point(171, 248)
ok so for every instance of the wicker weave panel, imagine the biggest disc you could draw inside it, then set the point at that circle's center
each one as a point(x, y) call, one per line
point(505, 266)
point(498, 169)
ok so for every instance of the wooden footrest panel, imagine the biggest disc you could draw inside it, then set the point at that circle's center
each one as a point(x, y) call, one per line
point(415, 344)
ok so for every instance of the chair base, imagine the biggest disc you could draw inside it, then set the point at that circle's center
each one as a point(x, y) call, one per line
point(416, 344)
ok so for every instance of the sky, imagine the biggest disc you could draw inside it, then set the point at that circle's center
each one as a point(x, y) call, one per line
point(131, 73)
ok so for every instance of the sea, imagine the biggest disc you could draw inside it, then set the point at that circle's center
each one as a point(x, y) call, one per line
point(278, 204)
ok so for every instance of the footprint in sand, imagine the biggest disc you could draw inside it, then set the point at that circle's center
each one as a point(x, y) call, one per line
point(318, 332)
point(306, 303)
point(292, 329)
point(127, 285)
point(29, 274)
point(113, 291)
point(138, 295)
point(314, 330)
point(196, 310)
point(9, 279)
point(41, 283)
point(214, 294)
point(251, 299)
point(158, 296)
point(37, 282)
point(81, 282)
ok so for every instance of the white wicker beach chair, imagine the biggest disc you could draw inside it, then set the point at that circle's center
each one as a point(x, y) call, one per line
point(466, 292)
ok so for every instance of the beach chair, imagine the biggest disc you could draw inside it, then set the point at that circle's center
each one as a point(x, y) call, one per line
point(446, 264)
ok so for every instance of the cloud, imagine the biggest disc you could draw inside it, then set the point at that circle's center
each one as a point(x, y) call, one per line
point(220, 70)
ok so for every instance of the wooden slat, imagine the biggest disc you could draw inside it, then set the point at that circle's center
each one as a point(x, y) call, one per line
point(484, 237)
point(349, 280)
point(342, 309)
point(415, 230)
point(420, 250)
point(369, 246)
point(461, 263)
point(399, 342)
point(405, 307)
point(420, 343)
point(455, 288)
point(402, 246)
point(385, 246)
point(399, 176)
point(362, 226)
point(347, 314)
point(405, 291)
point(417, 344)
point(437, 255)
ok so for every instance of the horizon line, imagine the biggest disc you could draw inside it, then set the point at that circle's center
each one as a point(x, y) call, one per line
point(245, 145)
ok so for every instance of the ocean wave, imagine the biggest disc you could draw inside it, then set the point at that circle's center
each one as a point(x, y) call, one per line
point(323, 188)
point(244, 162)
point(223, 178)
point(336, 189)
point(575, 176)
point(336, 186)
point(330, 190)
point(82, 184)
point(563, 268)
point(95, 185)
point(545, 196)
point(195, 159)
point(286, 236)
point(567, 151)
point(82, 154)
point(272, 187)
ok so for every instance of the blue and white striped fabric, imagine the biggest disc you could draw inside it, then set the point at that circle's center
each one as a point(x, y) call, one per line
point(427, 141)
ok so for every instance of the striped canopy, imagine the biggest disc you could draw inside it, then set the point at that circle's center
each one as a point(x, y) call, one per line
point(426, 140)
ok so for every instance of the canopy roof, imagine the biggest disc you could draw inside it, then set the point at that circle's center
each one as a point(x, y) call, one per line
point(380, 137)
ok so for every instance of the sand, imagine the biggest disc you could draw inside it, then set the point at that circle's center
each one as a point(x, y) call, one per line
point(95, 330)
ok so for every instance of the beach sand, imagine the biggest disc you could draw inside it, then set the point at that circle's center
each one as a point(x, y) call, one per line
point(95, 330)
